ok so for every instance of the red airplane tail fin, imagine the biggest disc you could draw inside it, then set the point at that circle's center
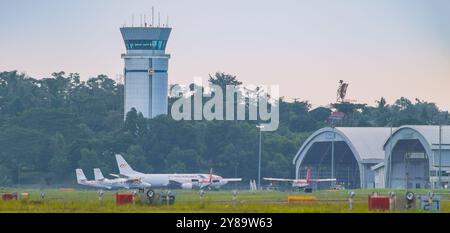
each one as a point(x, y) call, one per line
point(210, 175)
point(308, 175)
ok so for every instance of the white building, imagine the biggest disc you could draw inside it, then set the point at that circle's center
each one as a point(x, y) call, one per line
point(379, 175)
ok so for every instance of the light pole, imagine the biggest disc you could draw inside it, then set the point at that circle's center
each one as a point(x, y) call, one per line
point(440, 155)
point(335, 116)
point(18, 176)
point(259, 160)
point(389, 165)
point(19, 171)
point(235, 173)
point(332, 153)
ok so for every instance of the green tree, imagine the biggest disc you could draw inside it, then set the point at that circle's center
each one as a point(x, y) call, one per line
point(59, 162)
point(222, 79)
point(89, 160)
point(136, 158)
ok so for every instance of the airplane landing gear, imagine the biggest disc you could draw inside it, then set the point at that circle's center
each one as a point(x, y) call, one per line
point(150, 193)
point(150, 197)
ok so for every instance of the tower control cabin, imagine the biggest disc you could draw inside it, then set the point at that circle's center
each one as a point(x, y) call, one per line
point(145, 73)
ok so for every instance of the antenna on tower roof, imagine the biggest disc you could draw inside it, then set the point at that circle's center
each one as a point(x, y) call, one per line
point(141, 20)
point(145, 20)
point(167, 22)
point(132, 20)
point(153, 16)
point(159, 19)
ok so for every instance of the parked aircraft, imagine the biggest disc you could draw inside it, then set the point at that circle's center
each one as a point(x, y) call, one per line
point(301, 183)
point(184, 181)
point(216, 182)
point(82, 180)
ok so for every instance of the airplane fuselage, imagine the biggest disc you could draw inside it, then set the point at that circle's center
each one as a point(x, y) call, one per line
point(300, 183)
point(184, 180)
point(94, 184)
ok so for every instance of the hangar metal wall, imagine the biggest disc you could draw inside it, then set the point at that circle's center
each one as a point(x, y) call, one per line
point(412, 157)
point(357, 150)
point(410, 165)
point(318, 158)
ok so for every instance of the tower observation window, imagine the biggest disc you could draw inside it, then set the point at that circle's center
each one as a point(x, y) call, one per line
point(145, 44)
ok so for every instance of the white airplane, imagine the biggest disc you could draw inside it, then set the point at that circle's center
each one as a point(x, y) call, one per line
point(301, 183)
point(184, 181)
point(81, 179)
point(119, 182)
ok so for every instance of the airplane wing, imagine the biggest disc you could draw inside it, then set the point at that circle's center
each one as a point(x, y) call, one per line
point(105, 186)
point(130, 179)
point(232, 179)
point(174, 184)
point(202, 186)
point(133, 180)
point(278, 179)
point(322, 180)
point(119, 175)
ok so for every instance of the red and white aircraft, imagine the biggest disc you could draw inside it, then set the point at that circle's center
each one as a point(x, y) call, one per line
point(301, 183)
point(184, 181)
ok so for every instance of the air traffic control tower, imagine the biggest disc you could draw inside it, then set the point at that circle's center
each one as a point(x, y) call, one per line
point(145, 73)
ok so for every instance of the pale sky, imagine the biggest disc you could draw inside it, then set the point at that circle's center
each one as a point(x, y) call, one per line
point(383, 48)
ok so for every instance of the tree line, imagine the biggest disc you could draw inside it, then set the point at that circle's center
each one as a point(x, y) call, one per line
point(50, 126)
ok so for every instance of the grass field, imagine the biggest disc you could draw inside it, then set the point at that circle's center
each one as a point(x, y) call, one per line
point(187, 201)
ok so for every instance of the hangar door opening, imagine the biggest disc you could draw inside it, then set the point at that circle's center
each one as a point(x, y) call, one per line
point(410, 165)
point(318, 158)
